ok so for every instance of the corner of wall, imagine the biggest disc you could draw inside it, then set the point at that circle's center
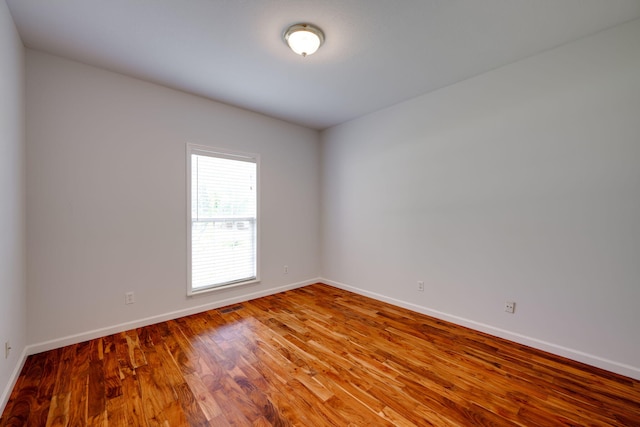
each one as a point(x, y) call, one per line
point(13, 292)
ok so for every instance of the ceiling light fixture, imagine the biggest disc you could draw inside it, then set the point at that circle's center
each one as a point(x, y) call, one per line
point(304, 39)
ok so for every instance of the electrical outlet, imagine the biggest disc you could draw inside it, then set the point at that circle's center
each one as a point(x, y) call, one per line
point(420, 285)
point(129, 298)
point(510, 307)
point(7, 349)
point(285, 269)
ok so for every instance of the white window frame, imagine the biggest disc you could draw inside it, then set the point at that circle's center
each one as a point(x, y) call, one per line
point(233, 155)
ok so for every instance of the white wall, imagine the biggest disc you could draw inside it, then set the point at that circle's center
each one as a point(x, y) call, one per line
point(13, 289)
point(522, 184)
point(107, 206)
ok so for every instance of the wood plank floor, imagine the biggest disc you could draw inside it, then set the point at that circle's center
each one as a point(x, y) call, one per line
point(315, 356)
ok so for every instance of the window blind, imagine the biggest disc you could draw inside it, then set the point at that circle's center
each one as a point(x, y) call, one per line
point(223, 220)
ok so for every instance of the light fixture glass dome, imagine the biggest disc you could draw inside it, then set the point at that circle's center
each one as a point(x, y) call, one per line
point(304, 39)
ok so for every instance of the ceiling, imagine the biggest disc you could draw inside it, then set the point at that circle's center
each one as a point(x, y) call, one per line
point(377, 52)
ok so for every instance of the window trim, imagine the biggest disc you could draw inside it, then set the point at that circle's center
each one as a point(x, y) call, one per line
point(231, 155)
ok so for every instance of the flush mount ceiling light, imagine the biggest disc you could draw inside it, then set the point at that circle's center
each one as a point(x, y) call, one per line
point(304, 39)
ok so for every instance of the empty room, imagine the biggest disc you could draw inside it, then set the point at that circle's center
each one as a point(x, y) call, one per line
point(319, 213)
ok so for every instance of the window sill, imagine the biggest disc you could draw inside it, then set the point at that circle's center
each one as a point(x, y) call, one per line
point(192, 292)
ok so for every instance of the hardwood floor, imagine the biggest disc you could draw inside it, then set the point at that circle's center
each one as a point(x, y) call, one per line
point(315, 356)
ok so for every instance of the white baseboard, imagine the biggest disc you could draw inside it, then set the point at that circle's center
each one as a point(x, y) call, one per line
point(101, 332)
point(6, 393)
point(609, 365)
point(569, 353)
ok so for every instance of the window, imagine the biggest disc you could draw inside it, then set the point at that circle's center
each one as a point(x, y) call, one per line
point(222, 218)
